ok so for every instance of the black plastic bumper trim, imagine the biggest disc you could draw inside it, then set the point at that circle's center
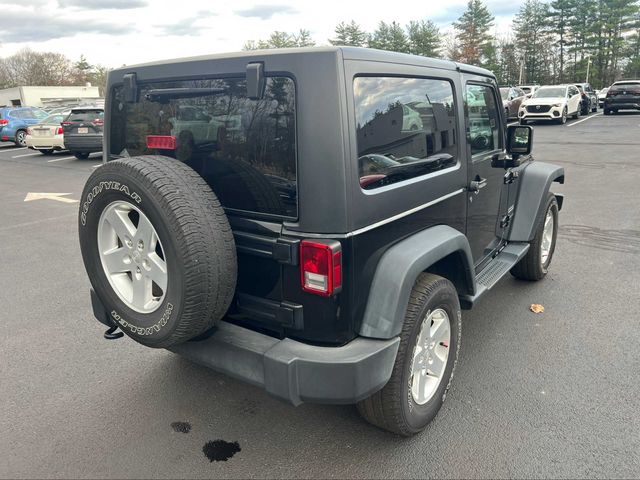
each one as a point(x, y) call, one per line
point(294, 371)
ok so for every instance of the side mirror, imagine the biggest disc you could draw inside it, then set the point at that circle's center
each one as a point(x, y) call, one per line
point(519, 140)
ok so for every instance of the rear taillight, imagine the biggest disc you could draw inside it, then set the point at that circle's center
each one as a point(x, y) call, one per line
point(66, 124)
point(4, 123)
point(321, 267)
point(60, 131)
point(161, 142)
point(98, 123)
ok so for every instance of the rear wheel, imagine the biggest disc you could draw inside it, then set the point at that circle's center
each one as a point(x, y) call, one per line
point(606, 111)
point(81, 155)
point(21, 138)
point(425, 362)
point(535, 264)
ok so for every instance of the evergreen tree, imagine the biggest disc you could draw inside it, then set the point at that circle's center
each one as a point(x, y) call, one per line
point(390, 37)
point(424, 38)
point(532, 40)
point(280, 39)
point(349, 34)
point(559, 14)
point(472, 33)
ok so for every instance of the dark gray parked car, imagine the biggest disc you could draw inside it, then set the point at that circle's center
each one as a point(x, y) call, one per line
point(622, 95)
point(83, 131)
point(589, 98)
point(299, 232)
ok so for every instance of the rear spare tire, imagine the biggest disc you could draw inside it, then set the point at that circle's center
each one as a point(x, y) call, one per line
point(158, 249)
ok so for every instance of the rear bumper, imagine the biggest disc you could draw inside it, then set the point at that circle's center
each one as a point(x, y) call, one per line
point(622, 106)
point(292, 371)
point(83, 143)
point(45, 143)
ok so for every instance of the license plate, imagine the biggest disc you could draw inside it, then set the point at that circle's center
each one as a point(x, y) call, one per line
point(83, 130)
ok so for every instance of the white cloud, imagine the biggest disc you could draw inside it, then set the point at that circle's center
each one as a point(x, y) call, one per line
point(163, 29)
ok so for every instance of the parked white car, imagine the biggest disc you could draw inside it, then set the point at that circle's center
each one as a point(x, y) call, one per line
point(551, 102)
point(47, 135)
point(529, 89)
point(602, 94)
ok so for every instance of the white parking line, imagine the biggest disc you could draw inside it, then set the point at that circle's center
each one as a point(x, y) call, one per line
point(58, 159)
point(27, 155)
point(11, 147)
point(583, 120)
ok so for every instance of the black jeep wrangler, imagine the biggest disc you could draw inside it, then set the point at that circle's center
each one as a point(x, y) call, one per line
point(312, 221)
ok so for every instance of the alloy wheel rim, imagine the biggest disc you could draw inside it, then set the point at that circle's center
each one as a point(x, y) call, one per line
point(430, 356)
point(547, 237)
point(22, 138)
point(132, 257)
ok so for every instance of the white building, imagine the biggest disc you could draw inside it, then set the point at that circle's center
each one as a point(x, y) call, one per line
point(50, 96)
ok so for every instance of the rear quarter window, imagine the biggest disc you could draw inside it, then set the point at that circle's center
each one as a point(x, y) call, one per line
point(405, 128)
point(244, 148)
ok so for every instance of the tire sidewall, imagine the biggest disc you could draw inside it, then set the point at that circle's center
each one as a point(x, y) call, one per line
point(418, 416)
point(102, 190)
point(552, 205)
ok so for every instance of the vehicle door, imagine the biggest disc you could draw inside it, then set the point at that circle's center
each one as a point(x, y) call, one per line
point(485, 138)
point(518, 97)
point(574, 99)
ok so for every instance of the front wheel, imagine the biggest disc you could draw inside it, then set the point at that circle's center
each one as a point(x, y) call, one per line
point(535, 264)
point(425, 363)
point(81, 155)
point(563, 118)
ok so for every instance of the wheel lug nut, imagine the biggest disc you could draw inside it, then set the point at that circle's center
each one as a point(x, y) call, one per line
point(140, 245)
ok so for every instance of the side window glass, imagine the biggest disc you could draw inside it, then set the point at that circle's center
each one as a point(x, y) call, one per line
point(483, 127)
point(405, 128)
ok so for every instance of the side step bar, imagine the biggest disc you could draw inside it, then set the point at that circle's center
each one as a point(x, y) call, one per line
point(494, 271)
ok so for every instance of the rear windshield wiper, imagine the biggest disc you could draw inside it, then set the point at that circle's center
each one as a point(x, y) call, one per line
point(164, 94)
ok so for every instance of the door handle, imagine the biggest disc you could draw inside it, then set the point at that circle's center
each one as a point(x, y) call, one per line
point(477, 184)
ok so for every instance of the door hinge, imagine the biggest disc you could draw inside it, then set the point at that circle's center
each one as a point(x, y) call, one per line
point(510, 177)
point(505, 221)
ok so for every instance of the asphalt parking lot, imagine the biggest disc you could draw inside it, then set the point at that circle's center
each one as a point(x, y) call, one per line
point(554, 395)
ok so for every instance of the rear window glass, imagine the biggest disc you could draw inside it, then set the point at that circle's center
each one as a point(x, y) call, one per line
point(405, 128)
point(244, 148)
point(78, 116)
point(29, 114)
point(56, 118)
point(629, 87)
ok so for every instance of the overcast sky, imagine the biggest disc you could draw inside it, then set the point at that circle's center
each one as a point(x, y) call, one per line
point(117, 32)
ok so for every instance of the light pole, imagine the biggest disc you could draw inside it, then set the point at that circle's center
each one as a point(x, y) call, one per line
point(588, 65)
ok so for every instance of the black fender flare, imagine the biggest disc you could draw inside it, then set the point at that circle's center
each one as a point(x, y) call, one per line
point(398, 270)
point(533, 187)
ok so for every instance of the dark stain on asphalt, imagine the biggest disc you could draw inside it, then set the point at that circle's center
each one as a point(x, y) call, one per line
point(622, 241)
point(219, 450)
point(181, 427)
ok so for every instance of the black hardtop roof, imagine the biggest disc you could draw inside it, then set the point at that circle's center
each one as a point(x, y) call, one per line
point(348, 53)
